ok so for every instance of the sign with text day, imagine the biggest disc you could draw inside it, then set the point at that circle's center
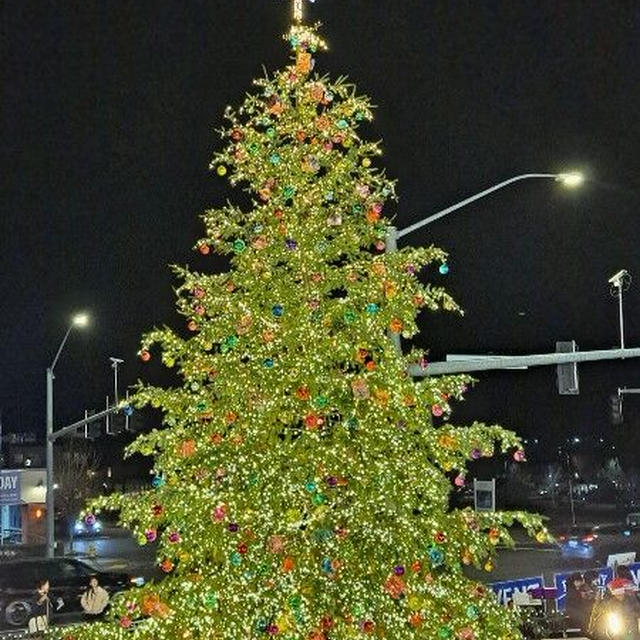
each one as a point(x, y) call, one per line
point(10, 487)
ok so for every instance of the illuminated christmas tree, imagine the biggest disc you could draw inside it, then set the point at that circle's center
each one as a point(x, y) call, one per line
point(302, 483)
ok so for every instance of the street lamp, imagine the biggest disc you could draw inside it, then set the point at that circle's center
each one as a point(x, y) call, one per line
point(79, 320)
point(571, 179)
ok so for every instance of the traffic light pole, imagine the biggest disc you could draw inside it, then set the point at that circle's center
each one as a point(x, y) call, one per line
point(492, 363)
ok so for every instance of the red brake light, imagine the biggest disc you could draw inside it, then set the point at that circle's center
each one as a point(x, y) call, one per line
point(588, 538)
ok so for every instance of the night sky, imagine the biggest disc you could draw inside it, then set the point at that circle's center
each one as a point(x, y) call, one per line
point(109, 111)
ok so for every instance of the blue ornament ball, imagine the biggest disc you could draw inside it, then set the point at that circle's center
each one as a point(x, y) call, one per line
point(157, 482)
point(278, 310)
point(436, 556)
point(444, 268)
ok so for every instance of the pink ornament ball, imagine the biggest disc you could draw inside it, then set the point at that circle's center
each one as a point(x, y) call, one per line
point(519, 456)
point(150, 535)
point(125, 622)
point(459, 480)
point(436, 410)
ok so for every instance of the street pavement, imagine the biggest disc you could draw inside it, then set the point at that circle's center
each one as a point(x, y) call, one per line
point(118, 551)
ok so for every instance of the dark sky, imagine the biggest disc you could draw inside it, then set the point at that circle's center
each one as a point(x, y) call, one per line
point(108, 118)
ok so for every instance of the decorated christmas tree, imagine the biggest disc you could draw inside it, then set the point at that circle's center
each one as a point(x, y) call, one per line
point(302, 477)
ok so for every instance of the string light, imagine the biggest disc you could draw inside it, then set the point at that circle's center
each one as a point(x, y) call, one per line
point(301, 481)
point(297, 10)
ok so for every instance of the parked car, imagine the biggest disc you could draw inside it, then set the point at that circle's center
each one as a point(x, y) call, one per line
point(598, 542)
point(68, 579)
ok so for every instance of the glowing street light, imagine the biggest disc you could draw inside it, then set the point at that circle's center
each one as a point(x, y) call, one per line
point(79, 320)
point(571, 180)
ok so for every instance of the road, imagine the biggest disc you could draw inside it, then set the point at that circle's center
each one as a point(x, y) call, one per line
point(118, 551)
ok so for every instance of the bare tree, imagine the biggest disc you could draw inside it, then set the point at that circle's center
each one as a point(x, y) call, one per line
point(76, 477)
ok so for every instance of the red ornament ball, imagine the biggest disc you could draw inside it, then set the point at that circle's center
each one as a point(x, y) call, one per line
point(145, 356)
point(204, 249)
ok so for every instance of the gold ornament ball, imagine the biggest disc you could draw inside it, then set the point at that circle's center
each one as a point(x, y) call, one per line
point(541, 537)
point(221, 170)
point(366, 162)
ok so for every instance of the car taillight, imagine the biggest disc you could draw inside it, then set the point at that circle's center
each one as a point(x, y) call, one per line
point(588, 538)
point(562, 538)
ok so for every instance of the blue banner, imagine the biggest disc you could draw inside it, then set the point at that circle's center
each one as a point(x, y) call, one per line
point(605, 575)
point(635, 572)
point(505, 590)
point(10, 487)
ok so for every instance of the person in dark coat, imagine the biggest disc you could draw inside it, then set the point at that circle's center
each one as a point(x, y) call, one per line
point(578, 605)
point(40, 610)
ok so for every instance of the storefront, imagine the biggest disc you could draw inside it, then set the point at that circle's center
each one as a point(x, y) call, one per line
point(22, 506)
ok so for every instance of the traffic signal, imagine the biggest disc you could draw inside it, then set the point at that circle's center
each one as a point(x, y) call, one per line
point(615, 402)
point(567, 374)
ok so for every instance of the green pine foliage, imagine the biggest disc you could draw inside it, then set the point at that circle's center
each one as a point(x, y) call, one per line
point(302, 478)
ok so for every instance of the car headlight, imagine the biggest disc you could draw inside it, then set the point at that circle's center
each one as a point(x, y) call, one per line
point(79, 527)
point(97, 526)
point(614, 623)
point(138, 581)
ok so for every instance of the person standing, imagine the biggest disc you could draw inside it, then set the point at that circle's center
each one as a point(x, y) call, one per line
point(578, 606)
point(95, 599)
point(40, 610)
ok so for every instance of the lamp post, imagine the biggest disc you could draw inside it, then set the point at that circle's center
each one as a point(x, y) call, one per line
point(79, 320)
point(572, 179)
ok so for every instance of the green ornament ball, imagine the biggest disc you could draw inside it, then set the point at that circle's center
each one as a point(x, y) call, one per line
point(211, 600)
point(349, 316)
point(239, 245)
point(319, 499)
point(295, 601)
point(473, 613)
point(320, 402)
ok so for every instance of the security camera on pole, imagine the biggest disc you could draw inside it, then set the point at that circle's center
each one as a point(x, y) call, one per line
point(620, 282)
